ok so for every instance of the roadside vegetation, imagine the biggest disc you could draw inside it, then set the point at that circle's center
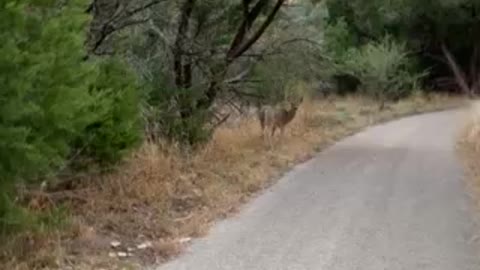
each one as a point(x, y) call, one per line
point(469, 149)
point(128, 127)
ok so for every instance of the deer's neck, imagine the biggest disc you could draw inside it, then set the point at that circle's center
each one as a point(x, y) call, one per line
point(291, 114)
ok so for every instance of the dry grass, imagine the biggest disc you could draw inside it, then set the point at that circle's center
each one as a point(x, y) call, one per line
point(162, 194)
point(469, 149)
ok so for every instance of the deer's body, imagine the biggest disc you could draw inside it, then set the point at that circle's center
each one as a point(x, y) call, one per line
point(275, 118)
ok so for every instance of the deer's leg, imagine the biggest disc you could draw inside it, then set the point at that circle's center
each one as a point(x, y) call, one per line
point(265, 132)
point(268, 135)
point(282, 132)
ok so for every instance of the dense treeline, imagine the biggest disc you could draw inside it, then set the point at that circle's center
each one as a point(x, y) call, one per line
point(85, 82)
point(429, 29)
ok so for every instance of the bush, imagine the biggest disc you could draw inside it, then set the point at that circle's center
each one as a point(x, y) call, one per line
point(384, 69)
point(277, 77)
point(173, 114)
point(117, 125)
point(52, 100)
point(44, 100)
point(339, 43)
point(190, 131)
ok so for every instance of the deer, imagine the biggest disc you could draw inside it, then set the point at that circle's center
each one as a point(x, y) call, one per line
point(277, 117)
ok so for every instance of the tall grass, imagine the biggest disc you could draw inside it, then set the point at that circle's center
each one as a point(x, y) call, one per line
point(469, 149)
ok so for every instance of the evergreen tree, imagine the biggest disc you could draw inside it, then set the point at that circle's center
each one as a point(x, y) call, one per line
point(51, 99)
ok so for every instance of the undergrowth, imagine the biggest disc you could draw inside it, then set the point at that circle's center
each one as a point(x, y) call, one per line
point(469, 149)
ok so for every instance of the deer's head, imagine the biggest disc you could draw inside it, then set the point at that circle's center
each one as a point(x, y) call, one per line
point(294, 105)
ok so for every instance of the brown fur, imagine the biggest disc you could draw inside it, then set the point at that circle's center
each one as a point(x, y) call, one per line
point(276, 117)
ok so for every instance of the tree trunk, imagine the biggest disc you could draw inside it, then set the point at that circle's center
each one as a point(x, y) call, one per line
point(182, 71)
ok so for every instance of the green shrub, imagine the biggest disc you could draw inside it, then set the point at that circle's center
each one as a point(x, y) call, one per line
point(338, 41)
point(16, 218)
point(384, 68)
point(53, 103)
point(338, 45)
point(277, 77)
point(173, 114)
point(44, 99)
point(191, 130)
point(117, 125)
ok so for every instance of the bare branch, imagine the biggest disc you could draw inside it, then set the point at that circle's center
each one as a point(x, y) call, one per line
point(278, 48)
point(221, 121)
point(240, 77)
point(245, 94)
point(110, 29)
point(119, 20)
point(143, 7)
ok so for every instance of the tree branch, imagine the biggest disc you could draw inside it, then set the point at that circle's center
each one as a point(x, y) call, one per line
point(278, 49)
point(243, 47)
point(248, 20)
point(242, 75)
point(120, 16)
point(143, 7)
point(110, 29)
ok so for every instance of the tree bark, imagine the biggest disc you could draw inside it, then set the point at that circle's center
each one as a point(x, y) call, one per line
point(248, 20)
point(182, 72)
point(239, 47)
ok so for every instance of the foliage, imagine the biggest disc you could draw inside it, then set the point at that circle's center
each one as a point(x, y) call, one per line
point(117, 125)
point(17, 218)
point(276, 77)
point(338, 41)
point(384, 69)
point(338, 46)
point(294, 55)
point(163, 118)
point(422, 25)
point(44, 98)
point(52, 100)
